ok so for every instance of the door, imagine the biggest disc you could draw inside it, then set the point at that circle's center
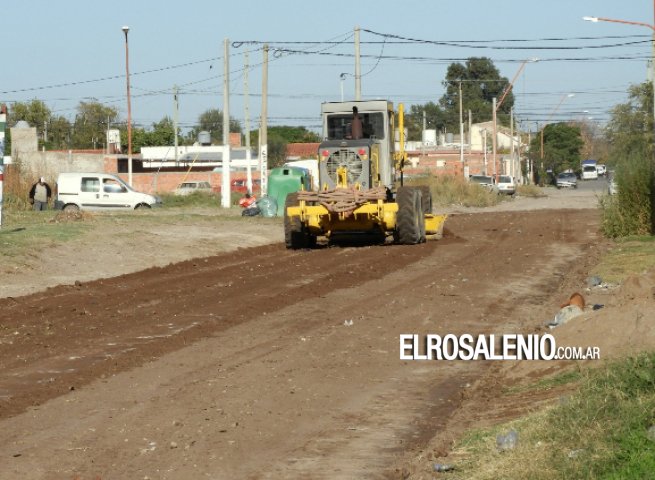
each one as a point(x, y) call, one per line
point(89, 196)
point(114, 195)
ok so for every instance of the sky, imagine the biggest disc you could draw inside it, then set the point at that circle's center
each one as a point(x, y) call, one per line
point(70, 51)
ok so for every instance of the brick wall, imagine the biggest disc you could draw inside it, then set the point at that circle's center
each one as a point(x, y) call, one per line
point(165, 182)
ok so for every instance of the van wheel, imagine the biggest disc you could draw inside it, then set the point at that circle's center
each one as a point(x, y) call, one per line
point(71, 207)
point(142, 205)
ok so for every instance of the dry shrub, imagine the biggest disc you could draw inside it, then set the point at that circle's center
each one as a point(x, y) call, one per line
point(16, 188)
point(449, 190)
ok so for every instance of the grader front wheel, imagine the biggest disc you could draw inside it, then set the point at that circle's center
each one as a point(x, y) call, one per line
point(410, 226)
point(295, 235)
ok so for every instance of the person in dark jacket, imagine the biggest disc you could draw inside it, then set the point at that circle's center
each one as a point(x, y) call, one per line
point(40, 194)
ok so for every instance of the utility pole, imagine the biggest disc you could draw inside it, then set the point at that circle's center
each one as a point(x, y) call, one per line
point(461, 131)
point(225, 184)
point(126, 29)
point(470, 128)
point(512, 171)
point(247, 111)
point(484, 148)
point(494, 139)
point(263, 133)
point(424, 136)
point(358, 68)
point(176, 114)
point(3, 123)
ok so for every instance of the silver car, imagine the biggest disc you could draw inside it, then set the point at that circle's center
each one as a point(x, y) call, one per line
point(486, 181)
point(566, 180)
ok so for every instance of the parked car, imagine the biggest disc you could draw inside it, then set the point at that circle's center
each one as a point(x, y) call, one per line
point(485, 181)
point(566, 180)
point(506, 184)
point(242, 187)
point(187, 188)
point(99, 191)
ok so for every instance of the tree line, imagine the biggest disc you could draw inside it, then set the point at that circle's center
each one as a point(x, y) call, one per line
point(478, 80)
point(88, 130)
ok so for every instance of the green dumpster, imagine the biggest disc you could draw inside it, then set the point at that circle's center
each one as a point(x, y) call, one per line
point(285, 180)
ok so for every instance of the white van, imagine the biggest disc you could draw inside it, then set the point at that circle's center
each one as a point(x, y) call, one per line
point(589, 172)
point(99, 191)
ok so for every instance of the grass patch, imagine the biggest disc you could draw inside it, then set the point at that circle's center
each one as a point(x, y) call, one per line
point(532, 191)
point(547, 383)
point(195, 199)
point(448, 190)
point(600, 432)
point(631, 255)
point(24, 231)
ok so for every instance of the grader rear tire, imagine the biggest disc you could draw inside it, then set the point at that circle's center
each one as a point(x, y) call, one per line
point(426, 199)
point(295, 235)
point(410, 226)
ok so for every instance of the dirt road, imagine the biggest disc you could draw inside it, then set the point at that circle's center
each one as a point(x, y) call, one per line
point(265, 363)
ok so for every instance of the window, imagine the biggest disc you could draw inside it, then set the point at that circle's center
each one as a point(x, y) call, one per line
point(372, 125)
point(90, 184)
point(112, 186)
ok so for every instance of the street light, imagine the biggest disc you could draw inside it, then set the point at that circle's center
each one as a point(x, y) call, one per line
point(126, 29)
point(342, 77)
point(496, 106)
point(652, 66)
point(639, 24)
point(564, 97)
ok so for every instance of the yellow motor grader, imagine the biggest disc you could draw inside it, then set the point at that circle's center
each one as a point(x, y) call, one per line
point(361, 191)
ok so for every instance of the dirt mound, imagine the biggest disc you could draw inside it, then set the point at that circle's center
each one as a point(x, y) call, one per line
point(638, 288)
point(71, 216)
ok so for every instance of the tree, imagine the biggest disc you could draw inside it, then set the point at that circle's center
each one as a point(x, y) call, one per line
point(562, 146)
point(594, 142)
point(481, 82)
point(630, 134)
point(161, 134)
point(287, 134)
point(58, 133)
point(277, 150)
point(631, 126)
point(90, 126)
point(35, 113)
point(434, 119)
point(212, 121)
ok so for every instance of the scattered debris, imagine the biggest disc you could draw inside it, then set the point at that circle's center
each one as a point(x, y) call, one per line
point(594, 281)
point(575, 453)
point(508, 441)
point(650, 433)
point(442, 467)
point(564, 315)
point(67, 216)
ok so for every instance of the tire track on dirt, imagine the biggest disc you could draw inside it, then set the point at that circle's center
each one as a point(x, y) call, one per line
point(69, 335)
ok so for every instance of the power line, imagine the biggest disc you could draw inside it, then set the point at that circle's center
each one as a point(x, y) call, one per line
point(477, 45)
